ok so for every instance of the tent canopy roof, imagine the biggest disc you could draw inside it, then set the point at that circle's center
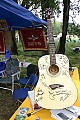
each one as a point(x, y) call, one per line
point(17, 16)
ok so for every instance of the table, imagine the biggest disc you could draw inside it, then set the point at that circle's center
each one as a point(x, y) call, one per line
point(45, 114)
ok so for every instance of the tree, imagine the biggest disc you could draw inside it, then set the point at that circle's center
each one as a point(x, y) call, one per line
point(74, 29)
point(66, 9)
point(54, 4)
point(75, 8)
point(34, 4)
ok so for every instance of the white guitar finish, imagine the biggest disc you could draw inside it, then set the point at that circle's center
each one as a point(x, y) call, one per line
point(63, 93)
point(55, 88)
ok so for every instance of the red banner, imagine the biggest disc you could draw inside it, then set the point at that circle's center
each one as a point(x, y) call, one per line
point(33, 39)
point(2, 47)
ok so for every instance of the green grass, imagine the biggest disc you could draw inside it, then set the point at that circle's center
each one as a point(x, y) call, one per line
point(73, 57)
point(33, 56)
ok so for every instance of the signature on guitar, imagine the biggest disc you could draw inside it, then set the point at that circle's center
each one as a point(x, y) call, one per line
point(64, 94)
point(55, 88)
point(58, 89)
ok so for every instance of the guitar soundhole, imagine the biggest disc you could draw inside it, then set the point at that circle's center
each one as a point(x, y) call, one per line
point(53, 69)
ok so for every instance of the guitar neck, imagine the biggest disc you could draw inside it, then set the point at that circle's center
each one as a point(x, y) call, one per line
point(51, 43)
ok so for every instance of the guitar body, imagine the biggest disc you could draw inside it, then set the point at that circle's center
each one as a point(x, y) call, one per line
point(55, 88)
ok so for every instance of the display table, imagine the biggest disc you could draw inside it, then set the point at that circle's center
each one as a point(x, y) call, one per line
point(45, 114)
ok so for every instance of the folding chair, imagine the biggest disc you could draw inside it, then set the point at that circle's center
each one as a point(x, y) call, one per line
point(22, 93)
point(7, 54)
point(27, 81)
point(2, 68)
point(11, 73)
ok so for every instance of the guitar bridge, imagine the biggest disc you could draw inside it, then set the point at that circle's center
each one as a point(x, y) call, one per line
point(54, 86)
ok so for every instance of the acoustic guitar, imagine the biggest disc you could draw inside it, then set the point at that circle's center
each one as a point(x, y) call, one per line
point(55, 88)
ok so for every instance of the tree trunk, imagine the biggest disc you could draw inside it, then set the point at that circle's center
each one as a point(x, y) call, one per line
point(65, 26)
point(14, 45)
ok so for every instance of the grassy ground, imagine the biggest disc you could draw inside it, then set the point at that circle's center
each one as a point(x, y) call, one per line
point(33, 56)
point(7, 104)
point(74, 57)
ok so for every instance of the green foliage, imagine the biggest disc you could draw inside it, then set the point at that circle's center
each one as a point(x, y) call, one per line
point(57, 28)
point(74, 58)
point(27, 53)
point(74, 29)
point(34, 4)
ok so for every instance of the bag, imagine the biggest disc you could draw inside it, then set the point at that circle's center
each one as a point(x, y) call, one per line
point(32, 69)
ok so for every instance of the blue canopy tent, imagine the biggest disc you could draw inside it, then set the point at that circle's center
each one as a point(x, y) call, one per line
point(18, 17)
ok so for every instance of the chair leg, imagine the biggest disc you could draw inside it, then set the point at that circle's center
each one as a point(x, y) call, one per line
point(18, 102)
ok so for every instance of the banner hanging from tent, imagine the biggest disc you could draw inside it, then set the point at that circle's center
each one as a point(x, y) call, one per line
point(33, 39)
point(2, 46)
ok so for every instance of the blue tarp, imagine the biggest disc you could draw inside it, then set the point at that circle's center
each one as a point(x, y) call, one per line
point(18, 16)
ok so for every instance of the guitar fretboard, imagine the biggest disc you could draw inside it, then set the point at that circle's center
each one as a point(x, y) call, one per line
point(51, 43)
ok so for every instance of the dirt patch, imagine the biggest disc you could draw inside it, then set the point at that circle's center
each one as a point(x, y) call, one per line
point(7, 105)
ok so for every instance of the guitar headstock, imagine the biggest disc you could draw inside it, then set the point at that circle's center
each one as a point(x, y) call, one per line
point(48, 13)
